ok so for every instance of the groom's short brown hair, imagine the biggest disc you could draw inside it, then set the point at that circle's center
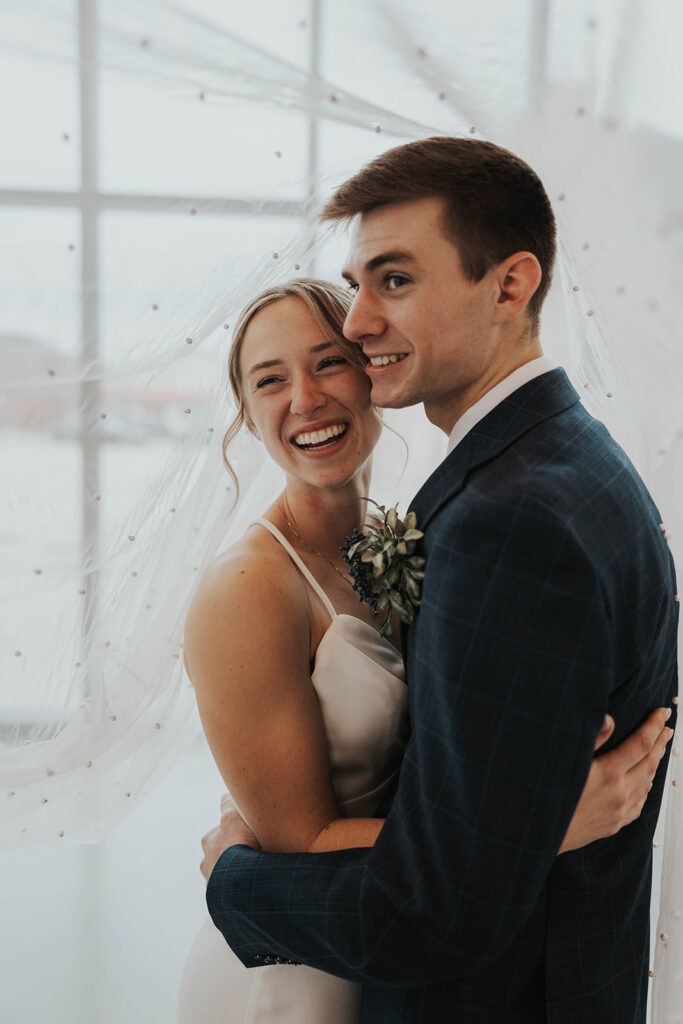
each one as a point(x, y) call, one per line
point(496, 204)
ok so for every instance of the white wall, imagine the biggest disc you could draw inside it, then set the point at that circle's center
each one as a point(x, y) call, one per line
point(99, 934)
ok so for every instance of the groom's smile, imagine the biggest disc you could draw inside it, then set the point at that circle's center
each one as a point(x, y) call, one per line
point(379, 361)
point(430, 333)
point(420, 322)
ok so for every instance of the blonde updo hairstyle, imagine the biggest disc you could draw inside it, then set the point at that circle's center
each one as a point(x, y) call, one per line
point(327, 303)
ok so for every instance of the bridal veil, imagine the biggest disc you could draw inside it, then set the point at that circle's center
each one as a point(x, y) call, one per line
point(162, 163)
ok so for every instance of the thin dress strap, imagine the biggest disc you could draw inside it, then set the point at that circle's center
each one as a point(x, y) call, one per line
point(308, 575)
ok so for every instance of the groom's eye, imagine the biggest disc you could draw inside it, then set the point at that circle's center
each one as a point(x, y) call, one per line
point(395, 281)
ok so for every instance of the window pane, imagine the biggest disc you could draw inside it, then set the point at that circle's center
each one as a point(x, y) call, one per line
point(426, 50)
point(39, 119)
point(190, 268)
point(40, 514)
point(156, 142)
point(204, 26)
point(270, 25)
point(39, 299)
point(187, 108)
point(40, 525)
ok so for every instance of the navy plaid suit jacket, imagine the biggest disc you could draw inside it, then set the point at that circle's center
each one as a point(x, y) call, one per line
point(548, 600)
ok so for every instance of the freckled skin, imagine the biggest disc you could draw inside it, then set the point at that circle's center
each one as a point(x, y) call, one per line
point(259, 709)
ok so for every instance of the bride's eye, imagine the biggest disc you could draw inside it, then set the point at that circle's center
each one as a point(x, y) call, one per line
point(332, 361)
point(267, 380)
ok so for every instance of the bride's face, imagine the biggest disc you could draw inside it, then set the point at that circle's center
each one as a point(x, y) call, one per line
point(306, 401)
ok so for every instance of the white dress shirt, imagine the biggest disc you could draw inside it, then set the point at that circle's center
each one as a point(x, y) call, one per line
point(492, 398)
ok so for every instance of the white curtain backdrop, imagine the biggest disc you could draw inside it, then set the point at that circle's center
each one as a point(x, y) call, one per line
point(160, 164)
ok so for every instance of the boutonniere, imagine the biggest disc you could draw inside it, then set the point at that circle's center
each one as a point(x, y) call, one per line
point(386, 572)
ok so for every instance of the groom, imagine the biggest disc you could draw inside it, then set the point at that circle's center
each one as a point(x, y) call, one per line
point(549, 600)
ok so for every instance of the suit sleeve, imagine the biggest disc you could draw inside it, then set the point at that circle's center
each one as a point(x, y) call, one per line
point(509, 682)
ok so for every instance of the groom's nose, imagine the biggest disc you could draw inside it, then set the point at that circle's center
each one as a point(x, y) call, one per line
point(364, 320)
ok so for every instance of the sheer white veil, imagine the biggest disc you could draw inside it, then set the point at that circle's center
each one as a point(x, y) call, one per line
point(92, 674)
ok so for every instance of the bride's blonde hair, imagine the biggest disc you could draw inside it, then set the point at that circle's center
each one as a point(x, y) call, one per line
point(327, 303)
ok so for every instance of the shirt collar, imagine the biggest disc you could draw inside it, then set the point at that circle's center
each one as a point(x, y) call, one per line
point(488, 402)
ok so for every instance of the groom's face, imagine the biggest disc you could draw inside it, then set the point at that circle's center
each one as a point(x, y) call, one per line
point(426, 329)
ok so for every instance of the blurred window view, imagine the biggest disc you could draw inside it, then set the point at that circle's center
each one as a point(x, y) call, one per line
point(120, 201)
point(157, 161)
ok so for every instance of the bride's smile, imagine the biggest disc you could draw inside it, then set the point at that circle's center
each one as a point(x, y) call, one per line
point(319, 437)
point(307, 396)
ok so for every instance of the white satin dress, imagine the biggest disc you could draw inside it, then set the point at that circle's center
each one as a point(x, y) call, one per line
point(360, 681)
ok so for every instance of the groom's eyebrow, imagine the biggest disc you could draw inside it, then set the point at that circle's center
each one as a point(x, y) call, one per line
point(278, 362)
point(391, 256)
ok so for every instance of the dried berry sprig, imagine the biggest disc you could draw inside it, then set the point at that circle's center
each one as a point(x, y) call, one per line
point(387, 574)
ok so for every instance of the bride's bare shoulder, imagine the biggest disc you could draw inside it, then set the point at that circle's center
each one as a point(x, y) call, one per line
point(253, 580)
point(253, 562)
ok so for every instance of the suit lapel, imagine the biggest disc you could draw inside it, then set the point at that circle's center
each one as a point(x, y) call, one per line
point(541, 398)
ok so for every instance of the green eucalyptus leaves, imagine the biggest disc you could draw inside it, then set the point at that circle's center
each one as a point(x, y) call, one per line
point(386, 572)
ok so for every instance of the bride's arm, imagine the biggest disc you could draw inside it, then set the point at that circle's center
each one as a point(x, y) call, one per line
point(618, 782)
point(247, 639)
point(247, 651)
point(614, 795)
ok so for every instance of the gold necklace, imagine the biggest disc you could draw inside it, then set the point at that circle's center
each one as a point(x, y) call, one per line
point(314, 551)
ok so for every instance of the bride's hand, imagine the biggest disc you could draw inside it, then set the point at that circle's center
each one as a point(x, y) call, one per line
point(618, 782)
point(233, 830)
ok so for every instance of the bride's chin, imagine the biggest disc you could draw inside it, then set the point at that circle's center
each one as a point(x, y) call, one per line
point(328, 478)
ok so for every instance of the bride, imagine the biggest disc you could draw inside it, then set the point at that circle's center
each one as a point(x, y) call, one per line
point(302, 701)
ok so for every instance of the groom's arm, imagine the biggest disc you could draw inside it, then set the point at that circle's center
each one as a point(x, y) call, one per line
point(509, 689)
point(615, 792)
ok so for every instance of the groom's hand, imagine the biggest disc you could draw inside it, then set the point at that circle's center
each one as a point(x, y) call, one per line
point(618, 782)
point(233, 830)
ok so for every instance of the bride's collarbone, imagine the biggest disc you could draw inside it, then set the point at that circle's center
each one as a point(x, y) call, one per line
point(339, 591)
point(344, 600)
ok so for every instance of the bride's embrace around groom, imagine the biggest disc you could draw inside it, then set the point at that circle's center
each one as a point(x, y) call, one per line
point(548, 601)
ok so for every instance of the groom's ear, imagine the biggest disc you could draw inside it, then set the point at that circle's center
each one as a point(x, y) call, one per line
point(517, 278)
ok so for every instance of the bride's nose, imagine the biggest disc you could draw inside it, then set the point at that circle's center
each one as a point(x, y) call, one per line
point(305, 396)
